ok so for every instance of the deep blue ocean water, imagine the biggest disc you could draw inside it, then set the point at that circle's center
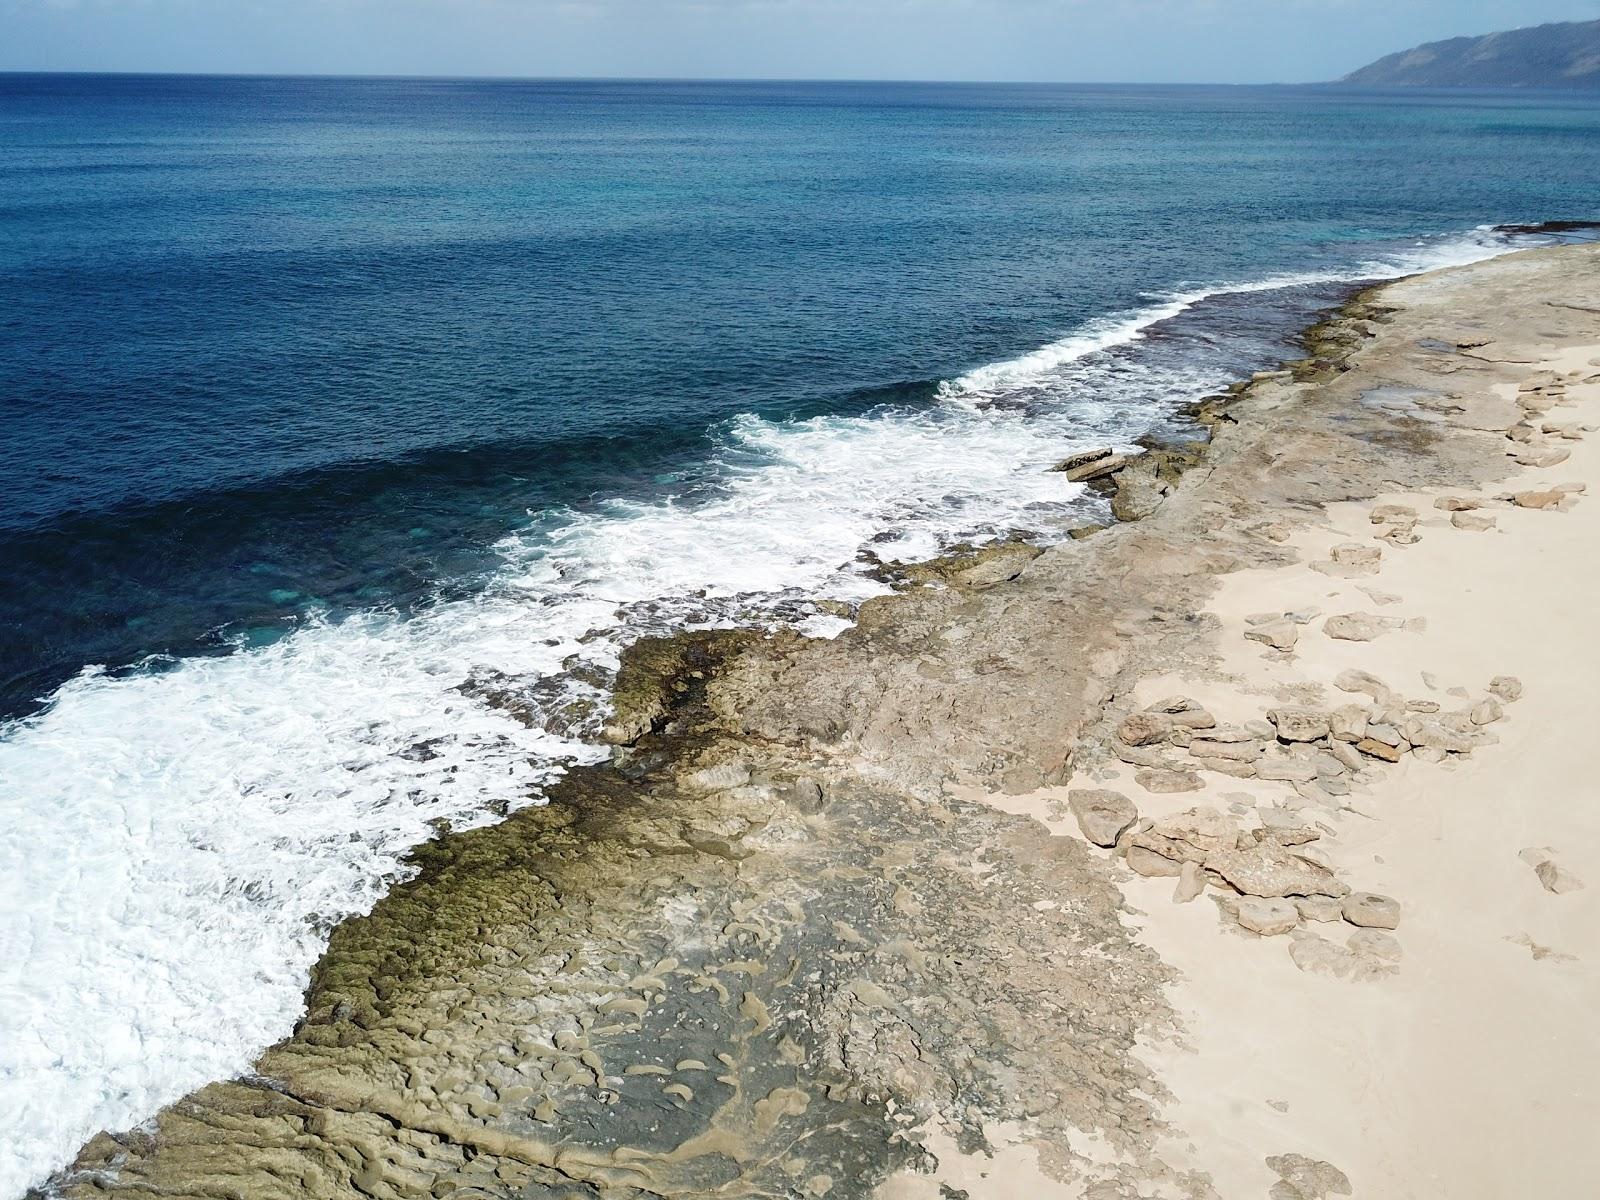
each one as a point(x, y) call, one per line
point(276, 344)
point(329, 408)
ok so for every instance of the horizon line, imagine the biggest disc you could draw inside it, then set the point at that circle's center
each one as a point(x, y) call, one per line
point(489, 78)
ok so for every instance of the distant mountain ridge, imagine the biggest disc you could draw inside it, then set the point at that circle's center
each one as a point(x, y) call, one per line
point(1565, 55)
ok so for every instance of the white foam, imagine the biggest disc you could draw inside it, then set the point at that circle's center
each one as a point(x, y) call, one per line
point(175, 844)
point(1129, 326)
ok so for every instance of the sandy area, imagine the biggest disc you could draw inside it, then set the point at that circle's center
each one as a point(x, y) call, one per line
point(1472, 1071)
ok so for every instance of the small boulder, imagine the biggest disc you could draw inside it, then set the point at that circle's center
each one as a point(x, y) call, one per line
point(1358, 627)
point(1158, 780)
point(1538, 499)
point(1144, 728)
point(1191, 882)
point(1506, 687)
point(1299, 724)
point(1103, 816)
point(1280, 635)
point(1269, 918)
point(1147, 862)
point(1371, 911)
point(1381, 750)
point(1311, 1178)
point(1270, 871)
point(1355, 554)
point(1473, 522)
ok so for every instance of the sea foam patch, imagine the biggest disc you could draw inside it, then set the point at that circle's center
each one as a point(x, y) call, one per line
point(175, 844)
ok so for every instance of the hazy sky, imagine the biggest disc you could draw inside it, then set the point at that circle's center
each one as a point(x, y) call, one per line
point(1233, 41)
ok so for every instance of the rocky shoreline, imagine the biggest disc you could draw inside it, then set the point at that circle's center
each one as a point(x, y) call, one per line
point(851, 918)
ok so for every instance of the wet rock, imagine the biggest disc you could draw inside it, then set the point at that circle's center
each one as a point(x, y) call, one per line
point(1269, 918)
point(1098, 468)
point(1270, 871)
point(1103, 816)
point(1371, 911)
point(1299, 724)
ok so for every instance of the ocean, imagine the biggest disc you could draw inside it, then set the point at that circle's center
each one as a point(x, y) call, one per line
point(336, 412)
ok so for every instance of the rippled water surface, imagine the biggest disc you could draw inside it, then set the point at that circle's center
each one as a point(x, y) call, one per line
point(330, 406)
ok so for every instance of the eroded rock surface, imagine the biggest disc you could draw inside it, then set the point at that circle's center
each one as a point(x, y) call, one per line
point(769, 946)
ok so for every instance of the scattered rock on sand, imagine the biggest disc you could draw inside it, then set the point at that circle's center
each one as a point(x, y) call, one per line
point(1453, 504)
point(1268, 870)
point(1191, 882)
point(1299, 724)
point(1157, 780)
point(1371, 911)
point(1554, 878)
point(1376, 749)
point(1280, 635)
point(1147, 862)
point(1306, 1178)
point(1103, 816)
point(1268, 918)
point(1358, 627)
point(1144, 728)
point(1506, 687)
point(1486, 712)
point(1472, 522)
point(1363, 683)
point(1538, 499)
point(1325, 909)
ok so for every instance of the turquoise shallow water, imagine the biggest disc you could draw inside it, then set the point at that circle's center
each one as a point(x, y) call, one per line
point(330, 406)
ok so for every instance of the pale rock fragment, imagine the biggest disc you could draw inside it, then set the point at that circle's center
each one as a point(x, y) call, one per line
point(1506, 687)
point(1270, 871)
point(1358, 627)
point(1310, 1178)
point(1268, 918)
point(1473, 522)
point(1103, 816)
point(1371, 911)
point(1299, 724)
point(1164, 780)
point(1191, 882)
point(1280, 634)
